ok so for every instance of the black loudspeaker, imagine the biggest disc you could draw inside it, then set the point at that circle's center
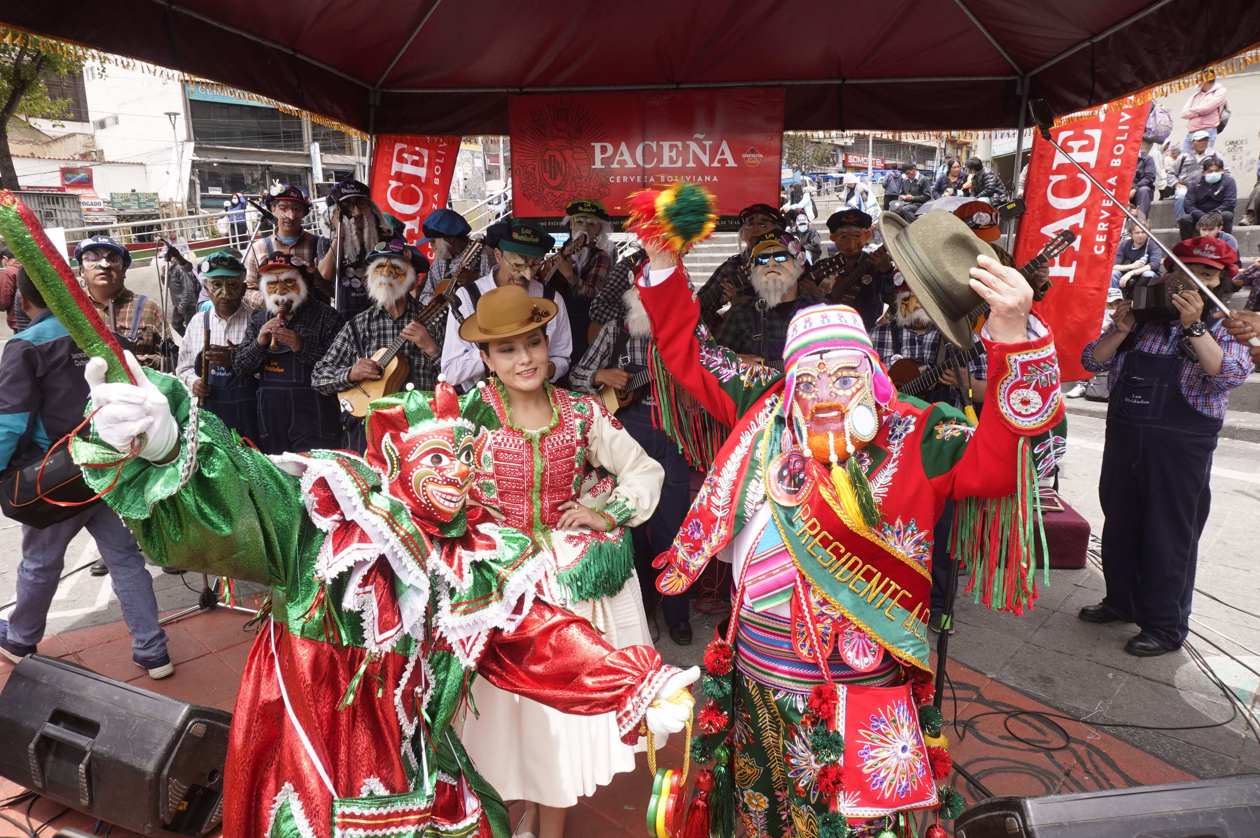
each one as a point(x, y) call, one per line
point(1224, 808)
point(127, 756)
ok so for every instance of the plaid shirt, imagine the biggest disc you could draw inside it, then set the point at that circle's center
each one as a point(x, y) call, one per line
point(315, 323)
point(607, 306)
point(894, 342)
point(599, 356)
point(733, 270)
point(140, 329)
point(747, 330)
point(369, 331)
point(1208, 394)
point(1251, 276)
point(440, 269)
point(229, 332)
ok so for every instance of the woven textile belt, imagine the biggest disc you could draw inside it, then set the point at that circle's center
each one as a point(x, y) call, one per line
point(765, 655)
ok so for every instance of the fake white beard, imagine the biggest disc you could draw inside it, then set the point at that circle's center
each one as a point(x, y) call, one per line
point(773, 289)
point(274, 301)
point(638, 324)
point(917, 319)
point(382, 289)
point(359, 235)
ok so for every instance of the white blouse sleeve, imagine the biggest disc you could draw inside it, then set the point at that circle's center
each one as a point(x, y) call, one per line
point(639, 477)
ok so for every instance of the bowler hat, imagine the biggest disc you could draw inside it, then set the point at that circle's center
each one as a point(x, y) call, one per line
point(506, 312)
point(935, 254)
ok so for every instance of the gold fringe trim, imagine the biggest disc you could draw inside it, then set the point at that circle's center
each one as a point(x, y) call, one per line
point(1235, 63)
point(72, 51)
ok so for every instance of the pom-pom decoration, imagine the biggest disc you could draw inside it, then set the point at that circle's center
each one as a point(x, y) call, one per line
point(59, 287)
point(942, 763)
point(822, 704)
point(827, 745)
point(718, 689)
point(951, 804)
point(834, 825)
point(718, 657)
point(676, 218)
point(711, 719)
point(931, 720)
point(830, 780)
point(935, 831)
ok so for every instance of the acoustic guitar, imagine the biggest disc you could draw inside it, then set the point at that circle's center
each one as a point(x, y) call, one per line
point(615, 399)
point(395, 368)
point(915, 379)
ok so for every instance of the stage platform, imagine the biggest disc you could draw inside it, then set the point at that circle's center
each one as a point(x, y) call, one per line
point(991, 726)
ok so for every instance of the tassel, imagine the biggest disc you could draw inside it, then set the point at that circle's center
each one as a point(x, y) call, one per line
point(353, 687)
point(996, 540)
point(697, 824)
point(722, 802)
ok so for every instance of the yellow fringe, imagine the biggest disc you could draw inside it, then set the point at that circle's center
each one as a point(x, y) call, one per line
point(848, 498)
point(73, 51)
point(1235, 63)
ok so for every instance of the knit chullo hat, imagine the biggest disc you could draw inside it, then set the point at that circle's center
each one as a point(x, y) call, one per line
point(824, 328)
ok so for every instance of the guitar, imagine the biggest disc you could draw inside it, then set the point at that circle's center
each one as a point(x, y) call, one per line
point(824, 272)
point(395, 368)
point(615, 399)
point(914, 379)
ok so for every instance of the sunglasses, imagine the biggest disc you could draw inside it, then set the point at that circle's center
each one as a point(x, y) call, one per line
point(95, 257)
point(779, 256)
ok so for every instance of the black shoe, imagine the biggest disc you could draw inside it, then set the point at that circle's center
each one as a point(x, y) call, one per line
point(1146, 646)
point(681, 634)
point(173, 571)
point(98, 568)
point(1101, 613)
point(654, 628)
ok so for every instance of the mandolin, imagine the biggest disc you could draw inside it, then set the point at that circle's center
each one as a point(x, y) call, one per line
point(615, 399)
point(395, 368)
point(915, 379)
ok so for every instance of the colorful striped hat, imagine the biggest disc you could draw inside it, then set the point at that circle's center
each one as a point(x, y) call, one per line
point(824, 328)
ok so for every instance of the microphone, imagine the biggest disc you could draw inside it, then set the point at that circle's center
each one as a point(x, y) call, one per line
point(266, 213)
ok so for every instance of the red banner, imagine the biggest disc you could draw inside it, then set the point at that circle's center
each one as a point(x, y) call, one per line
point(1059, 197)
point(606, 146)
point(411, 177)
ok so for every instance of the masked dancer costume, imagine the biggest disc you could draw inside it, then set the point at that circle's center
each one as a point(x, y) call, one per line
point(824, 498)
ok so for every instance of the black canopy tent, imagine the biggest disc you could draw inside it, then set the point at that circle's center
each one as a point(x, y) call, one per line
point(443, 66)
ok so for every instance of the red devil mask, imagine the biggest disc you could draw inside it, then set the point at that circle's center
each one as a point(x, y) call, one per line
point(425, 455)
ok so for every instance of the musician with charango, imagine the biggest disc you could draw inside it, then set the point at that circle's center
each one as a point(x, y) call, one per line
point(395, 342)
point(284, 342)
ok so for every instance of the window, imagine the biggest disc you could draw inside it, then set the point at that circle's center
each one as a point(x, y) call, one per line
point(244, 126)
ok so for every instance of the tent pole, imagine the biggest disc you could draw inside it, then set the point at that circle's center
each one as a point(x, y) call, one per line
point(1021, 123)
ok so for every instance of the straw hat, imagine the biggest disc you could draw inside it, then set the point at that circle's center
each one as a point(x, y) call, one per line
point(505, 313)
point(935, 254)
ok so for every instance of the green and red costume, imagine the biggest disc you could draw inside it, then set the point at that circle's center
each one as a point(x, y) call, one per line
point(380, 615)
point(815, 701)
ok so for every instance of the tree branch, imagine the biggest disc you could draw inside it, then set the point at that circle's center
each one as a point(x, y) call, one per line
point(21, 84)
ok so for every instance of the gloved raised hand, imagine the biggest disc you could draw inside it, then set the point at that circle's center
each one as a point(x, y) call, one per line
point(127, 413)
point(669, 711)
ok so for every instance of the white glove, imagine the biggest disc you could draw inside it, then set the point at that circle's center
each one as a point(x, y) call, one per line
point(127, 412)
point(671, 708)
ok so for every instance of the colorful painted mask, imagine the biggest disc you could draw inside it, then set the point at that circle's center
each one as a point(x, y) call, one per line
point(426, 462)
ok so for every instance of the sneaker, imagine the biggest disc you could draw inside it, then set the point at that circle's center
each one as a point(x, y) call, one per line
point(941, 623)
point(1075, 391)
point(98, 568)
point(158, 668)
point(12, 652)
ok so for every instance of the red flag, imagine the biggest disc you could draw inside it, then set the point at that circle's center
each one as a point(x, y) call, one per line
point(411, 177)
point(1059, 197)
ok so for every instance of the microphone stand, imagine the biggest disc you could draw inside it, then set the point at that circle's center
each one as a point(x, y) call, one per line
point(1043, 117)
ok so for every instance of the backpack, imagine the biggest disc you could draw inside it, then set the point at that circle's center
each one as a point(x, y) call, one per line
point(1159, 124)
point(1225, 115)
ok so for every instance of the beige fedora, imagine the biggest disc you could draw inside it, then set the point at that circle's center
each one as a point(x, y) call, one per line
point(506, 312)
point(935, 254)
